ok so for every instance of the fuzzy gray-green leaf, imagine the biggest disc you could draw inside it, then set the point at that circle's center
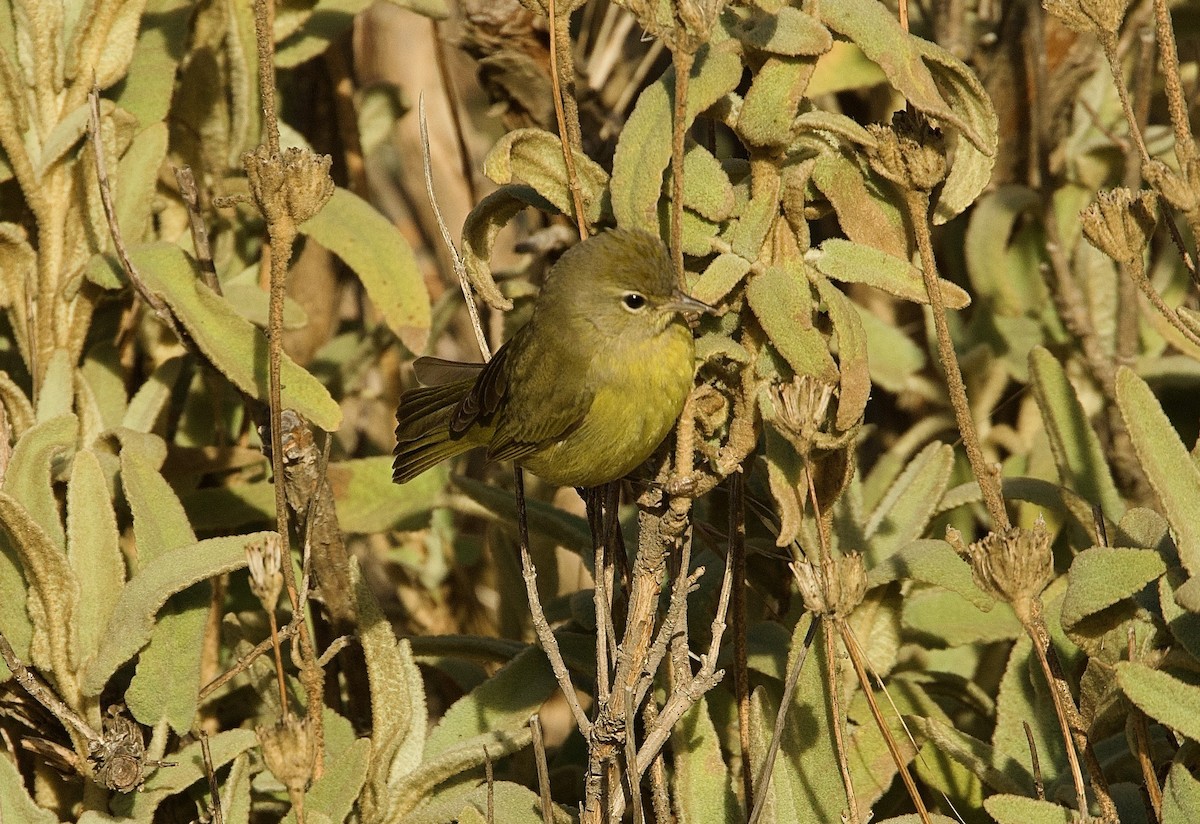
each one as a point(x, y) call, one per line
point(1101, 576)
point(702, 783)
point(378, 254)
point(910, 502)
point(644, 149)
point(228, 340)
point(535, 157)
point(93, 549)
point(1165, 460)
point(31, 467)
point(140, 600)
point(1082, 465)
point(782, 302)
point(931, 562)
point(851, 262)
point(1162, 696)
point(854, 376)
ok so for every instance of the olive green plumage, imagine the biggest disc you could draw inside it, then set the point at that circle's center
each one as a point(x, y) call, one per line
point(583, 393)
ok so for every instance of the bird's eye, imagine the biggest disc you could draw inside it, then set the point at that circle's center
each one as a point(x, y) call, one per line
point(634, 301)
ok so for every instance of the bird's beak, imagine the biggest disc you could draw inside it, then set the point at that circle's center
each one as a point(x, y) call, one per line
point(682, 302)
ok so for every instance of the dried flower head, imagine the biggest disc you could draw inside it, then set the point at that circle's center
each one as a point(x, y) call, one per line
point(1120, 223)
point(1180, 189)
point(288, 188)
point(118, 757)
point(911, 152)
point(1089, 16)
point(289, 752)
point(264, 558)
point(1013, 566)
point(835, 590)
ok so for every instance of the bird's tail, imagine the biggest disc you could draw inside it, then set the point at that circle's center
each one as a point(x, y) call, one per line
point(423, 429)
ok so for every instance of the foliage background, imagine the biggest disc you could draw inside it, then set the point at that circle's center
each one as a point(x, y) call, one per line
point(134, 476)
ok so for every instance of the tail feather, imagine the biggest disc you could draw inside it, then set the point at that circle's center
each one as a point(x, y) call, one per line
point(423, 429)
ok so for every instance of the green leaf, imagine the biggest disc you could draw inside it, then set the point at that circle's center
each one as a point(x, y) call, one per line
point(31, 468)
point(397, 702)
point(977, 756)
point(119, 43)
point(235, 792)
point(514, 804)
point(547, 520)
point(535, 157)
point(1023, 698)
point(335, 792)
point(873, 29)
point(1082, 465)
point(854, 376)
point(1171, 471)
point(147, 405)
point(910, 502)
point(747, 235)
point(18, 807)
point(57, 390)
point(232, 344)
point(368, 502)
point(93, 549)
point(326, 22)
point(844, 67)
point(644, 149)
point(706, 187)
point(930, 562)
point(702, 783)
point(892, 356)
point(379, 255)
point(866, 215)
point(1018, 809)
point(850, 262)
point(140, 600)
point(159, 521)
point(166, 684)
point(806, 783)
point(720, 278)
point(503, 703)
point(1102, 576)
point(53, 591)
point(419, 785)
point(146, 90)
point(137, 179)
point(971, 161)
point(1181, 796)
point(1161, 696)
point(773, 101)
point(789, 31)
point(955, 621)
point(782, 302)
point(995, 260)
point(187, 770)
point(14, 616)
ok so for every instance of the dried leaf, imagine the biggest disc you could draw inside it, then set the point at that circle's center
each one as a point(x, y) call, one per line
point(482, 226)
point(379, 255)
point(535, 157)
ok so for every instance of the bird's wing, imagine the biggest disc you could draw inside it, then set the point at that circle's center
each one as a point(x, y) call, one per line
point(485, 397)
point(431, 371)
point(548, 397)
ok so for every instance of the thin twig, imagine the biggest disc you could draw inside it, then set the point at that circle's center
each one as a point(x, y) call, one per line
point(541, 626)
point(456, 115)
point(833, 685)
point(564, 132)
point(243, 663)
point(460, 268)
point(1141, 735)
point(917, 204)
point(1038, 785)
point(635, 777)
point(217, 813)
point(741, 675)
point(490, 778)
point(191, 198)
point(44, 695)
point(683, 61)
point(152, 300)
point(543, 772)
point(763, 784)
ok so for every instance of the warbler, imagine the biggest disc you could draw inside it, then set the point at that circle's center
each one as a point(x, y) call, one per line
point(584, 392)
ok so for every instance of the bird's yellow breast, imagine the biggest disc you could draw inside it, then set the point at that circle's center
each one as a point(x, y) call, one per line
point(638, 395)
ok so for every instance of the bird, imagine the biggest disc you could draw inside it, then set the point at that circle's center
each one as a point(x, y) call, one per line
point(585, 391)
